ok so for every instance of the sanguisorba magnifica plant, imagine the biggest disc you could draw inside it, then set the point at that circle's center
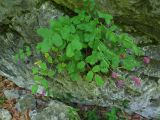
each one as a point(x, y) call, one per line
point(84, 47)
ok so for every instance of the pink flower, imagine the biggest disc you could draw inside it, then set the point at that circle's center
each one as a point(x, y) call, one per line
point(115, 75)
point(120, 83)
point(19, 62)
point(146, 60)
point(137, 81)
point(43, 93)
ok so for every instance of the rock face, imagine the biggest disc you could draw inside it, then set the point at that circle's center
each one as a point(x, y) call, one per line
point(5, 115)
point(11, 94)
point(55, 111)
point(19, 20)
point(26, 102)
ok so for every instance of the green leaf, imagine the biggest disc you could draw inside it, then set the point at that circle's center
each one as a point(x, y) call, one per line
point(81, 65)
point(96, 68)
point(34, 89)
point(94, 44)
point(107, 17)
point(87, 27)
point(72, 29)
point(65, 32)
point(45, 33)
point(43, 46)
point(21, 51)
point(43, 72)
point(112, 115)
point(63, 20)
point(115, 62)
point(113, 28)
point(76, 44)
point(43, 66)
point(78, 55)
point(75, 76)
point(54, 24)
point(75, 20)
point(104, 66)
point(28, 48)
point(104, 70)
point(44, 83)
point(129, 63)
point(61, 67)
point(56, 40)
point(22, 56)
point(89, 76)
point(92, 59)
point(71, 67)
point(51, 73)
point(92, 115)
point(111, 36)
point(54, 49)
point(16, 57)
point(99, 80)
point(137, 50)
point(49, 59)
point(126, 40)
point(28, 53)
point(88, 37)
point(102, 47)
point(69, 51)
point(37, 78)
point(34, 70)
point(92, 5)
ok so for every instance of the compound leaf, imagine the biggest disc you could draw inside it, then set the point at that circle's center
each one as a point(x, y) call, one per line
point(34, 89)
point(89, 76)
point(81, 65)
point(69, 51)
point(96, 68)
point(99, 80)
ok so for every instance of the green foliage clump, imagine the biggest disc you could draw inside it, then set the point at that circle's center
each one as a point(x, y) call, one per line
point(112, 115)
point(72, 114)
point(83, 47)
point(92, 115)
point(2, 100)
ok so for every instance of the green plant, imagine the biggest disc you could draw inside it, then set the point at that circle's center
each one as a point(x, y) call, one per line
point(72, 114)
point(82, 47)
point(2, 100)
point(92, 115)
point(112, 115)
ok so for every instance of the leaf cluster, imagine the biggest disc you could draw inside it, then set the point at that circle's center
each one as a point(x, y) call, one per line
point(84, 47)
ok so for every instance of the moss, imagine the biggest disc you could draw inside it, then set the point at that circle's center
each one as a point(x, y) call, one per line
point(66, 89)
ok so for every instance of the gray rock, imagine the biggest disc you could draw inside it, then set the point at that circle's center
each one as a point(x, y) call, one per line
point(26, 102)
point(54, 111)
point(11, 94)
point(5, 115)
point(153, 51)
point(153, 69)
